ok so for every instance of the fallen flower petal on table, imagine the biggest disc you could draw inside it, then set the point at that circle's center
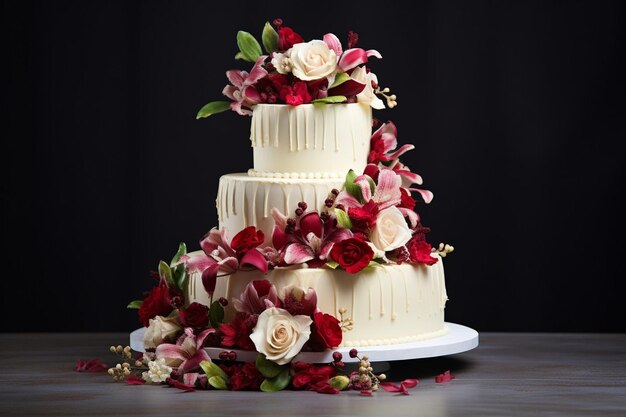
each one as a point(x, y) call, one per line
point(93, 365)
point(445, 377)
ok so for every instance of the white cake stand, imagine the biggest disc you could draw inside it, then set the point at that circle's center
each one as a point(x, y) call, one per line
point(458, 339)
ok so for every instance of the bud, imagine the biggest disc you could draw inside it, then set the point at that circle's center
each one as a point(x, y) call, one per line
point(339, 382)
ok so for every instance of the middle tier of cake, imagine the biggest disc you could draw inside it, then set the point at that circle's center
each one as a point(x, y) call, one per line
point(244, 201)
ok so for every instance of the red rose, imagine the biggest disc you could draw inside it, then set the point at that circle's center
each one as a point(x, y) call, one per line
point(288, 38)
point(352, 254)
point(196, 316)
point(157, 303)
point(420, 250)
point(248, 238)
point(325, 331)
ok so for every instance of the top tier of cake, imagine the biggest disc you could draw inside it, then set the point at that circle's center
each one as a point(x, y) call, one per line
point(310, 141)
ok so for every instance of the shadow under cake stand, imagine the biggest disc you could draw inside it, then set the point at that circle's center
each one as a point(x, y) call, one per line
point(458, 339)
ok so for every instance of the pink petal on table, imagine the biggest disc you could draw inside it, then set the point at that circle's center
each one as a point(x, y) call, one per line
point(177, 384)
point(402, 388)
point(298, 253)
point(134, 380)
point(333, 43)
point(445, 377)
point(256, 259)
point(92, 365)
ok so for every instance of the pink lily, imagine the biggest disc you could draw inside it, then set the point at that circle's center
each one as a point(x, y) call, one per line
point(356, 56)
point(242, 91)
point(372, 170)
point(297, 301)
point(218, 257)
point(258, 296)
point(385, 140)
point(188, 350)
point(311, 241)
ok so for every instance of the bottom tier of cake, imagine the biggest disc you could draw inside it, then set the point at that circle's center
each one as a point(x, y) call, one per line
point(385, 305)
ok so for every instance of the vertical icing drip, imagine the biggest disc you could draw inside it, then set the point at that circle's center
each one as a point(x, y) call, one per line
point(302, 194)
point(300, 128)
point(292, 130)
point(382, 300)
point(244, 206)
point(255, 187)
point(335, 296)
point(406, 290)
point(234, 195)
point(266, 188)
point(286, 195)
point(265, 130)
point(218, 201)
point(277, 123)
point(337, 133)
point(369, 290)
point(393, 300)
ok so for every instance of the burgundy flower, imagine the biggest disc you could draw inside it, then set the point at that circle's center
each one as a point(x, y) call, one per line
point(406, 201)
point(296, 94)
point(157, 303)
point(298, 302)
point(312, 377)
point(288, 38)
point(363, 218)
point(256, 297)
point(325, 332)
point(249, 238)
point(237, 332)
point(244, 376)
point(196, 316)
point(352, 254)
point(420, 250)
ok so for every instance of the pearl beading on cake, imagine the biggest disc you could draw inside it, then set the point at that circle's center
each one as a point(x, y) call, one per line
point(297, 175)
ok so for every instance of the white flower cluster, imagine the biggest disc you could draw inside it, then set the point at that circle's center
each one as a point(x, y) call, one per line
point(157, 372)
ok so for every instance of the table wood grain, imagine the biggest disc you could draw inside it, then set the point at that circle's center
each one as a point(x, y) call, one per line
point(507, 375)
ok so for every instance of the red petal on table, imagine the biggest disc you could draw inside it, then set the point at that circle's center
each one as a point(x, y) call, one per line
point(93, 365)
point(445, 377)
point(407, 383)
point(134, 380)
point(177, 384)
point(366, 393)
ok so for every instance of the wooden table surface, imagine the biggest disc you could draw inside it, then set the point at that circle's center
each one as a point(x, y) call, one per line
point(516, 374)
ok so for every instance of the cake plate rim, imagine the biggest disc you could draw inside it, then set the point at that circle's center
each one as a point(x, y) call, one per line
point(458, 339)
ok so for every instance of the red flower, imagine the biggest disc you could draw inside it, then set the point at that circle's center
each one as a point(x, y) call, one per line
point(325, 331)
point(157, 303)
point(287, 38)
point(248, 238)
point(237, 332)
point(363, 218)
point(296, 94)
point(406, 200)
point(196, 316)
point(244, 376)
point(312, 377)
point(419, 251)
point(352, 254)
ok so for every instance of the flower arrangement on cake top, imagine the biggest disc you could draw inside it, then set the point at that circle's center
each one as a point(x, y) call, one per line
point(296, 72)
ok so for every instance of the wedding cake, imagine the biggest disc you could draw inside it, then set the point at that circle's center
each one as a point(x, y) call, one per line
point(318, 245)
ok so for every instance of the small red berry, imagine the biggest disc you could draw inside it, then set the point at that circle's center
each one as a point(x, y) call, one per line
point(353, 353)
point(302, 205)
point(337, 356)
point(341, 207)
point(340, 365)
point(329, 202)
point(223, 301)
point(299, 211)
point(291, 222)
point(334, 191)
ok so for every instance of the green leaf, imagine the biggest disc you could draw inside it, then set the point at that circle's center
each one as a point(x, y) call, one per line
point(341, 78)
point(269, 38)
point(249, 46)
point(182, 250)
point(332, 264)
point(343, 219)
point(218, 383)
point(329, 100)
point(180, 276)
point(211, 369)
point(339, 382)
point(216, 314)
point(166, 272)
point(239, 55)
point(372, 184)
point(266, 367)
point(213, 107)
point(353, 189)
point(135, 304)
point(279, 382)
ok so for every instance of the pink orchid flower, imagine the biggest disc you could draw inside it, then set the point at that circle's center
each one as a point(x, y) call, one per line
point(242, 91)
point(310, 241)
point(188, 350)
point(355, 57)
point(297, 301)
point(258, 296)
point(218, 257)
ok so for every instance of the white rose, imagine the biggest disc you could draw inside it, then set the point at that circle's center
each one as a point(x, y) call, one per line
point(279, 335)
point(391, 230)
point(282, 62)
point(312, 60)
point(367, 95)
point(160, 328)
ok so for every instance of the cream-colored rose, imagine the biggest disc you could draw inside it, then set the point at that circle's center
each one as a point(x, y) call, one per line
point(279, 335)
point(159, 329)
point(391, 230)
point(312, 60)
point(367, 95)
point(282, 62)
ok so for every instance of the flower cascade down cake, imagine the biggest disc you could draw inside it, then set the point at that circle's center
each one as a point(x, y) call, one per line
point(319, 245)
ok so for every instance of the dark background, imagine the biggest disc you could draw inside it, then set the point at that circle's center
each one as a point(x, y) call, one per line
point(517, 111)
